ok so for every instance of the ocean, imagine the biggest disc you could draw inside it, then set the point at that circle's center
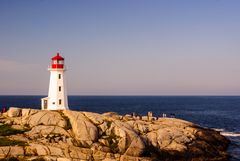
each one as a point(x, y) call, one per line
point(218, 112)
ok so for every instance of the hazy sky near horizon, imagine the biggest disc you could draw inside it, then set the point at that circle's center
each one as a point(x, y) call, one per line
point(122, 47)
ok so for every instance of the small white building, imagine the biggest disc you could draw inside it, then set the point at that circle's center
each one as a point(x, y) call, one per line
point(57, 94)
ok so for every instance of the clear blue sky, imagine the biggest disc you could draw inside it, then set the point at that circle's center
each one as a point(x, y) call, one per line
point(122, 47)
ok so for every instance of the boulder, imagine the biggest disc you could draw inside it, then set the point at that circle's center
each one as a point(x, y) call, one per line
point(84, 130)
point(78, 153)
point(140, 126)
point(43, 130)
point(43, 150)
point(99, 155)
point(4, 151)
point(11, 151)
point(112, 115)
point(27, 112)
point(126, 139)
point(18, 127)
point(46, 118)
point(19, 138)
point(163, 139)
point(136, 147)
point(14, 112)
point(55, 151)
point(39, 149)
point(103, 127)
point(95, 118)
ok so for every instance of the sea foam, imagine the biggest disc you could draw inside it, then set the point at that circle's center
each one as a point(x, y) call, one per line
point(231, 134)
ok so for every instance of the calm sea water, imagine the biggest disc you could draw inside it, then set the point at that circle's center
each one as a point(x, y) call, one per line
point(222, 113)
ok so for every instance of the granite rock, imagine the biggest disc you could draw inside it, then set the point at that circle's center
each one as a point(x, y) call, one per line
point(72, 135)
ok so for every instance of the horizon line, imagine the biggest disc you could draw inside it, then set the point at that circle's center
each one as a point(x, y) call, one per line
point(211, 95)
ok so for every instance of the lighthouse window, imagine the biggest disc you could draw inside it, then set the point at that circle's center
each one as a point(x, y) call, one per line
point(60, 102)
point(59, 76)
point(59, 88)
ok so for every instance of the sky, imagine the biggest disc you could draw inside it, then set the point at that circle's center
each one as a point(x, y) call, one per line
point(122, 47)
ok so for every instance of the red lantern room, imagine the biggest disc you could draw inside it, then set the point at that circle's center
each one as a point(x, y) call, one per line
point(57, 62)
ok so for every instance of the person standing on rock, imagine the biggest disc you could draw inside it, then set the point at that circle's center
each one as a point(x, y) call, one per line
point(3, 110)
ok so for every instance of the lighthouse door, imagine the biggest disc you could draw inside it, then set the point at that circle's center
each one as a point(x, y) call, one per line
point(45, 104)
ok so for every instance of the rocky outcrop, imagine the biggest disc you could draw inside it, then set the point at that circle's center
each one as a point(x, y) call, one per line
point(72, 135)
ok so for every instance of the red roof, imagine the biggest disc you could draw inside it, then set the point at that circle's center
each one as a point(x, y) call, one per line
point(57, 57)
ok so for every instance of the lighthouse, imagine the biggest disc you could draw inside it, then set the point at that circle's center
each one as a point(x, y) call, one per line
point(57, 94)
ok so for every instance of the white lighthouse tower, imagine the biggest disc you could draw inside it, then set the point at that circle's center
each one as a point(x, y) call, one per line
point(57, 94)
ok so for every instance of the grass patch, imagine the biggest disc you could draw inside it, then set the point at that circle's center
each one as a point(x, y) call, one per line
point(6, 130)
point(7, 142)
point(10, 159)
point(113, 143)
